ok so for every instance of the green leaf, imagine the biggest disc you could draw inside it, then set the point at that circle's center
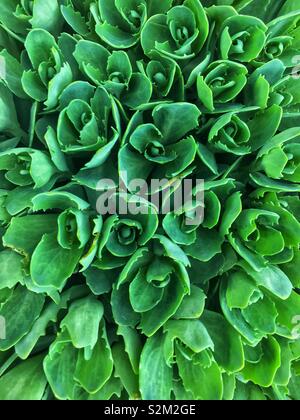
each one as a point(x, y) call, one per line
point(248, 392)
point(192, 305)
point(57, 156)
point(208, 245)
point(115, 37)
point(122, 309)
point(139, 91)
point(25, 382)
point(124, 371)
point(203, 383)
point(75, 19)
point(157, 6)
point(232, 210)
point(240, 290)
point(155, 374)
point(235, 318)
point(82, 322)
point(144, 296)
point(93, 373)
point(13, 73)
point(19, 324)
point(62, 261)
point(133, 346)
point(272, 279)
point(165, 309)
point(192, 333)
point(59, 200)
point(11, 269)
point(46, 15)
point(100, 281)
point(24, 233)
point(175, 120)
point(263, 373)
point(284, 373)
point(228, 347)
point(59, 367)
point(172, 250)
point(113, 387)
point(288, 311)
point(268, 119)
point(262, 315)
point(49, 314)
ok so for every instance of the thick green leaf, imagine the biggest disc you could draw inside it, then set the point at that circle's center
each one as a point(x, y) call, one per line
point(192, 305)
point(49, 314)
point(62, 261)
point(19, 323)
point(24, 233)
point(82, 322)
point(11, 269)
point(263, 373)
point(192, 333)
point(205, 383)
point(25, 382)
point(93, 373)
point(228, 347)
point(59, 367)
point(124, 371)
point(155, 374)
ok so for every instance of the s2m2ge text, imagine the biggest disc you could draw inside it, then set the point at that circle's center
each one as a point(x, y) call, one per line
point(172, 409)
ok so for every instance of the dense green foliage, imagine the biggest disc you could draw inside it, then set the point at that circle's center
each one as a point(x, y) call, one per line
point(146, 306)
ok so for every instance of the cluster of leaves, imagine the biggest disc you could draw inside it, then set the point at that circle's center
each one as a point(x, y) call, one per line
point(144, 305)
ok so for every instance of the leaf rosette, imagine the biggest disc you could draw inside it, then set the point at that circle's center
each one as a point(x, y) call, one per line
point(290, 204)
point(265, 299)
point(49, 74)
point(24, 166)
point(221, 83)
point(89, 123)
point(202, 228)
point(125, 231)
point(266, 12)
point(189, 350)
point(179, 34)
point(236, 134)
point(158, 148)
point(265, 234)
point(287, 206)
point(230, 134)
point(76, 353)
point(242, 38)
point(19, 16)
point(114, 360)
point(151, 287)
point(269, 85)
point(121, 21)
point(279, 159)
point(282, 40)
point(182, 224)
point(166, 77)
point(114, 72)
point(58, 240)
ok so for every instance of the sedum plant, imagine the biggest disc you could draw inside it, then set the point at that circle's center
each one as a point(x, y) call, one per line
point(147, 299)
